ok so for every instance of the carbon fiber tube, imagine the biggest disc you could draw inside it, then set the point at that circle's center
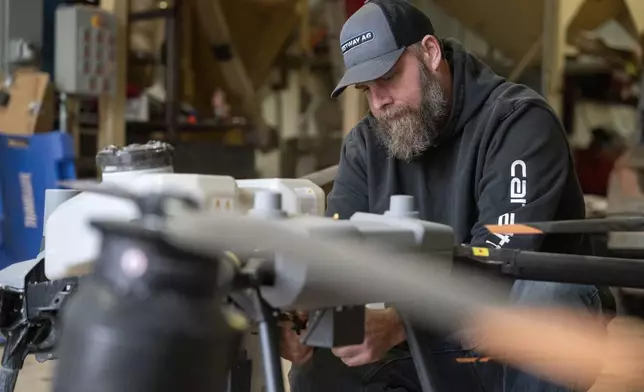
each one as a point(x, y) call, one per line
point(605, 271)
point(603, 225)
point(8, 378)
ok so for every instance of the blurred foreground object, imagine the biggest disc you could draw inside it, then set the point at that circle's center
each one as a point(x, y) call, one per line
point(565, 347)
point(261, 246)
point(144, 308)
point(294, 257)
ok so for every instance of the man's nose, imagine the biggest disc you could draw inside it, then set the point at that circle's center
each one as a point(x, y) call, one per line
point(379, 100)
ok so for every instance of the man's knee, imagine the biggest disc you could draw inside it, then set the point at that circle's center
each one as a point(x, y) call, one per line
point(533, 293)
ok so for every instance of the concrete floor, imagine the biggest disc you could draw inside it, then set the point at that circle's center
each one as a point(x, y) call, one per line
point(35, 377)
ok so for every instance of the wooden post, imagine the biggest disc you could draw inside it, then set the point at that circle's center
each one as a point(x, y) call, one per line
point(636, 9)
point(111, 112)
point(353, 102)
point(212, 19)
point(526, 60)
point(335, 15)
point(557, 16)
point(305, 42)
point(73, 123)
point(188, 87)
point(354, 107)
point(553, 56)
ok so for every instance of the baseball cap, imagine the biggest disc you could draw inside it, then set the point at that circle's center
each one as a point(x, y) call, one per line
point(374, 37)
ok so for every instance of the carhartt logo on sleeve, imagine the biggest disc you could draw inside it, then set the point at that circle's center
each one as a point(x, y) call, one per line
point(518, 195)
point(518, 183)
point(505, 219)
point(356, 41)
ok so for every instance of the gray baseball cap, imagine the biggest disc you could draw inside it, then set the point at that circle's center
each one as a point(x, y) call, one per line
point(374, 37)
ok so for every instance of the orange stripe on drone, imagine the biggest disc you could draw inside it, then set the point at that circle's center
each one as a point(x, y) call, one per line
point(513, 229)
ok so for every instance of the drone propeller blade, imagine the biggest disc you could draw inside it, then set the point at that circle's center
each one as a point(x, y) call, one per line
point(539, 343)
point(97, 187)
point(150, 204)
point(580, 226)
point(343, 269)
point(79, 185)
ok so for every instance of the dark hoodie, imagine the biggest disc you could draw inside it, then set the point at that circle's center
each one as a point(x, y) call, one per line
point(503, 157)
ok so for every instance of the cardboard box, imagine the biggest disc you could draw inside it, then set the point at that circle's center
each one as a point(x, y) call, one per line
point(31, 106)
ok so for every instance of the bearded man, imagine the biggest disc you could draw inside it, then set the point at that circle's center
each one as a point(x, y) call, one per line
point(473, 149)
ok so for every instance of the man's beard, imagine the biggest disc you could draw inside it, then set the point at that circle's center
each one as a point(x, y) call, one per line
point(406, 131)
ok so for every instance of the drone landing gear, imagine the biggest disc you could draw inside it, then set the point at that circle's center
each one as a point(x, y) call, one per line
point(13, 358)
point(423, 360)
point(27, 318)
point(269, 337)
point(267, 319)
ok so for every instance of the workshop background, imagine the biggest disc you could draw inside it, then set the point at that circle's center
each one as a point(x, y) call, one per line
point(242, 87)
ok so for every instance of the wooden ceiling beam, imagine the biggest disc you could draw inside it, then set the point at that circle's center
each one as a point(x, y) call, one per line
point(636, 10)
point(259, 34)
point(523, 21)
point(510, 26)
point(214, 23)
point(591, 14)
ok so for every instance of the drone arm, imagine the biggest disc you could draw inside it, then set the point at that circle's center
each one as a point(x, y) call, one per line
point(269, 337)
point(13, 358)
point(564, 268)
point(524, 177)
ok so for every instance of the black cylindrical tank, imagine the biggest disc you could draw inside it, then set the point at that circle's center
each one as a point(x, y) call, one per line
point(149, 319)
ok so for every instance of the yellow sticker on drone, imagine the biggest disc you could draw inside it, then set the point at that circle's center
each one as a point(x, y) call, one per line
point(483, 252)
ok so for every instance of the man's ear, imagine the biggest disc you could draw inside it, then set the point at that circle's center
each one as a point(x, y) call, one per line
point(432, 52)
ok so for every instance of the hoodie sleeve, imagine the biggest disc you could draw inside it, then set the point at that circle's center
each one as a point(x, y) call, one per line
point(524, 176)
point(349, 193)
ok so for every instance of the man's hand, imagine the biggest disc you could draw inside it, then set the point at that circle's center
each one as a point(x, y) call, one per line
point(291, 348)
point(383, 331)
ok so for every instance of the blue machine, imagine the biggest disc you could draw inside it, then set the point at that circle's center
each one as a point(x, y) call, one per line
point(29, 165)
point(3, 257)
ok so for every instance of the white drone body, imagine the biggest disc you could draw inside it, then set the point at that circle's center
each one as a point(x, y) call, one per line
point(70, 241)
point(72, 244)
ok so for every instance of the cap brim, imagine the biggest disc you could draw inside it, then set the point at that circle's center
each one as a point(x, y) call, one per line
point(368, 70)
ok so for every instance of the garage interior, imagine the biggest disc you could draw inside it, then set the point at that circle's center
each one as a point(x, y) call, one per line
point(242, 89)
